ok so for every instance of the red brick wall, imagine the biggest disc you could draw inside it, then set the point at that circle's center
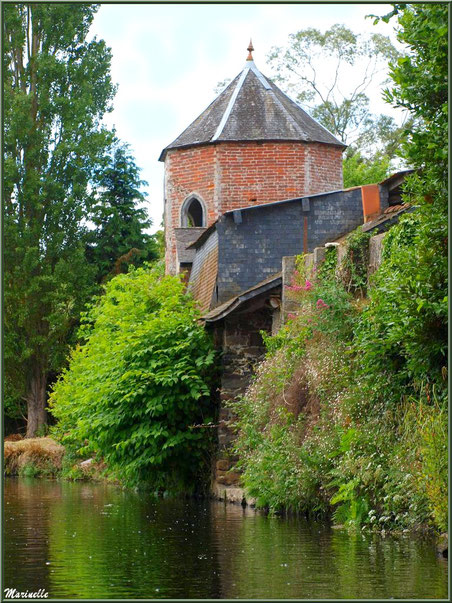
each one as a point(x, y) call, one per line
point(187, 171)
point(232, 175)
point(274, 171)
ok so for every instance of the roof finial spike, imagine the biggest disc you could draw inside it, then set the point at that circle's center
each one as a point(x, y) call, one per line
point(250, 50)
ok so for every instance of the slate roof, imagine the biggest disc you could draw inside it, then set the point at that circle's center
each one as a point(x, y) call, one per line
point(252, 108)
point(184, 238)
point(271, 282)
point(397, 177)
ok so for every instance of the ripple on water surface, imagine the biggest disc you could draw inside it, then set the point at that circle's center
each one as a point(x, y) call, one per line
point(83, 540)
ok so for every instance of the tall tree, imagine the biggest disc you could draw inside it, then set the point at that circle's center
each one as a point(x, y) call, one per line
point(420, 84)
point(57, 87)
point(408, 311)
point(120, 238)
point(330, 73)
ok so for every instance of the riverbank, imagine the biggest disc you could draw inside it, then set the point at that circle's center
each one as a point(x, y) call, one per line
point(33, 457)
point(44, 457)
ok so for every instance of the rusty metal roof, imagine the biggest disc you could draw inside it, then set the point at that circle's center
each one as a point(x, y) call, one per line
point(252, 108)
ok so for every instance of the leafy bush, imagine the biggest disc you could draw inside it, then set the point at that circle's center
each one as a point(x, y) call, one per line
point(432, 440)
point(402, 336)
point(137, 392)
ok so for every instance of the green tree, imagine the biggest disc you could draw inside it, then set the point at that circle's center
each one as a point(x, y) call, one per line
point(420, 83)
point(359, 170)
point(406, 323)
point(159, 238)
point(402, 341)
point(57, 87)
point(137, 392)
point(119, 239)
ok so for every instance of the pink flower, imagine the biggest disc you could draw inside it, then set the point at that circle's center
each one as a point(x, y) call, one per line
point(291, 316)
point(308, 285)
point(294, 287)
point(321, 304)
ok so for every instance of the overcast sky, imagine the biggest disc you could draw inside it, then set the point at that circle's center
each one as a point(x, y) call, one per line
point(168, 58)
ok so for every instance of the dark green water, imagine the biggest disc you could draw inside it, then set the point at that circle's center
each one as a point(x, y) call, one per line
point(82, 540)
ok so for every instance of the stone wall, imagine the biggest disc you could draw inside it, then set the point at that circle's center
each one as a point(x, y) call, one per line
point(289, 303)
point(375, 251)
point(242, 347)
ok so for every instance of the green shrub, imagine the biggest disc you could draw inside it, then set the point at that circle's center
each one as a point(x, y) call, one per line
point(137, 392)
point(402, 335)
point(354, 266)
point(284, 455)
point(30, 470)
point(432, 438)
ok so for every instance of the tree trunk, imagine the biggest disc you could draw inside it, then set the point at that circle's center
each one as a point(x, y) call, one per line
point(36, 402)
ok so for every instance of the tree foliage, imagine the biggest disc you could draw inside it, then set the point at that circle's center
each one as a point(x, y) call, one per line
point(119, 238)
point(420, 83)
point(359, 170)
point(408, 312)
point(137, 391)
point(57, 87)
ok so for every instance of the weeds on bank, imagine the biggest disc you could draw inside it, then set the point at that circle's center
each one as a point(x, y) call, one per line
point(33, 457)
point(329, 428)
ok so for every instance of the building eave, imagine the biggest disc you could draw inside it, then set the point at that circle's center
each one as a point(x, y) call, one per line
point(235, 302)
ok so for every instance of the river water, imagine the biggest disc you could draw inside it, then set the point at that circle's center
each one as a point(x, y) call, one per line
point(86, 540)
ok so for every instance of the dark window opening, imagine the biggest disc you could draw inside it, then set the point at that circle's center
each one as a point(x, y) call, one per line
point(185, 270)
point(193, 214)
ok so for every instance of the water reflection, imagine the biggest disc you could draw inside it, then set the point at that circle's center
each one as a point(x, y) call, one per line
point(97, 541)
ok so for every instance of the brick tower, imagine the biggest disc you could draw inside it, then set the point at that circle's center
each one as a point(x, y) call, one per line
point(252, 144)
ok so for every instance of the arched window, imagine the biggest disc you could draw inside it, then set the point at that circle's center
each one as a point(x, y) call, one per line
point(193, 213)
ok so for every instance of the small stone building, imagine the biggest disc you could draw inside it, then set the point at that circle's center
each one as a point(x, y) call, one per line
point(252, 145)
point(251, 181)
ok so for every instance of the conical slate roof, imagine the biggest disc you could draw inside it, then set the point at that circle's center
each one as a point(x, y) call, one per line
point(252, 108)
